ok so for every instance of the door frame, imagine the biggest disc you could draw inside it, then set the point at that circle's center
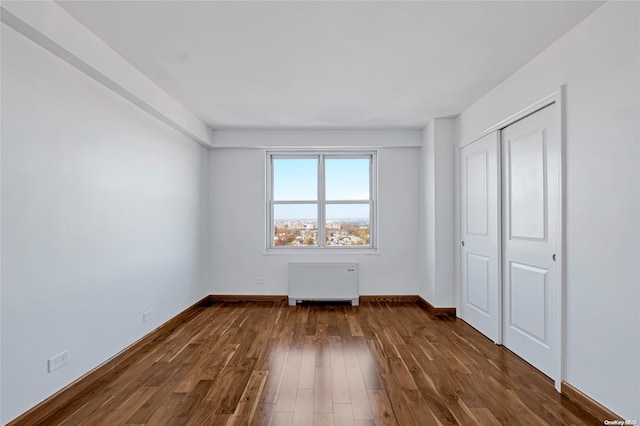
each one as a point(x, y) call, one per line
point(557, 98)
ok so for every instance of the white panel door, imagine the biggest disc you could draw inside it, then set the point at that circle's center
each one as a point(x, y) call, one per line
point(531, 167)
point(480, 250)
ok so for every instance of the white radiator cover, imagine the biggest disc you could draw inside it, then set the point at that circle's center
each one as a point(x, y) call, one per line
point(323, 281)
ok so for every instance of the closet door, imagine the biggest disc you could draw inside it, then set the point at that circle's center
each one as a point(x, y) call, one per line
point(480, 249)
point(531, 211)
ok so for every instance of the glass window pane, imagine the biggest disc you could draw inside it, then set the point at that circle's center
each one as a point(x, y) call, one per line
point(295, 179)
point(295, 225)
point(347, 179)
point(348, 225)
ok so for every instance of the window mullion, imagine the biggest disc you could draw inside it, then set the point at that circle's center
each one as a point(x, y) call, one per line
point(271, 228)
point(373, 197)
point(321, 202)
point(272, 223)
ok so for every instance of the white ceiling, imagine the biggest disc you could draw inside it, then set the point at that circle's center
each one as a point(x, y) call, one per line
point(327, 64)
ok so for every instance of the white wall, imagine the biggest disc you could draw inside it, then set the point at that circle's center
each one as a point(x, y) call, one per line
point(238, 205)
point(437, 210)
point(49, 25)
point(598, 62)
point(427, 219)
point(103, 217)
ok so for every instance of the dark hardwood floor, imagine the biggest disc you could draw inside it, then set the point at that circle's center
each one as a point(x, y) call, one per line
point(265, 363)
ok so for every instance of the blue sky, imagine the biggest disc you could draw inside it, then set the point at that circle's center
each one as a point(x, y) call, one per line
point(296, 179)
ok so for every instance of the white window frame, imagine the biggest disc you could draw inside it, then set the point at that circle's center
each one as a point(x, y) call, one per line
point(321, 199)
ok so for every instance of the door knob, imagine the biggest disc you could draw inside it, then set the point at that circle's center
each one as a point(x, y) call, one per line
point(463, 244)
point(554, 257)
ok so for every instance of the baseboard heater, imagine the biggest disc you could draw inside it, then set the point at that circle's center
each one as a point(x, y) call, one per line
point(323, 282)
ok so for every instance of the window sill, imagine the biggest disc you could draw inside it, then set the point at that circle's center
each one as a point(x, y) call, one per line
point(321, 251)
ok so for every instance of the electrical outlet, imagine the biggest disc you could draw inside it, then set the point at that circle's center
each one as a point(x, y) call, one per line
point(57, 361)
point(146, 316)
point(259, 280)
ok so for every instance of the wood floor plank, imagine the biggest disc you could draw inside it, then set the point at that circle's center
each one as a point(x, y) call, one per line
point(419, 408)
point(265, 363)
point(294, 355)
point(144, 413)
point(263, 415)
point(306, 379)
point(358, 392)
point(401, 373)
point(323, 352)
point(219, 420)
point(323, 397)
point(167, 410)
point(275, 368)
point(485, 417)
point(381, 408)
point(191, 402)
point(380, 360)
point(354, 325)
point(312, 322)
point(286, 398)
point(246, 408)
point(282, 419)
point(397, 400)
point(349, 351)
point(367, 366)
point(342, 414)
point(323, 419)
point(78, 414)
point(339, 384)
point(303, 410)
point(121, 414)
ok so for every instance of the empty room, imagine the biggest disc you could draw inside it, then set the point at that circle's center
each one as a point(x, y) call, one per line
point(319, 212)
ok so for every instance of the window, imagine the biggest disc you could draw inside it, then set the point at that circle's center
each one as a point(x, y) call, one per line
point(321, 200)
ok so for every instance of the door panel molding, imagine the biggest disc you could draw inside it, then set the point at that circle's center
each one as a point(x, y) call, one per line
point(476, 179)
point(533, 293)
point(479, 294)
point(525, 175)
